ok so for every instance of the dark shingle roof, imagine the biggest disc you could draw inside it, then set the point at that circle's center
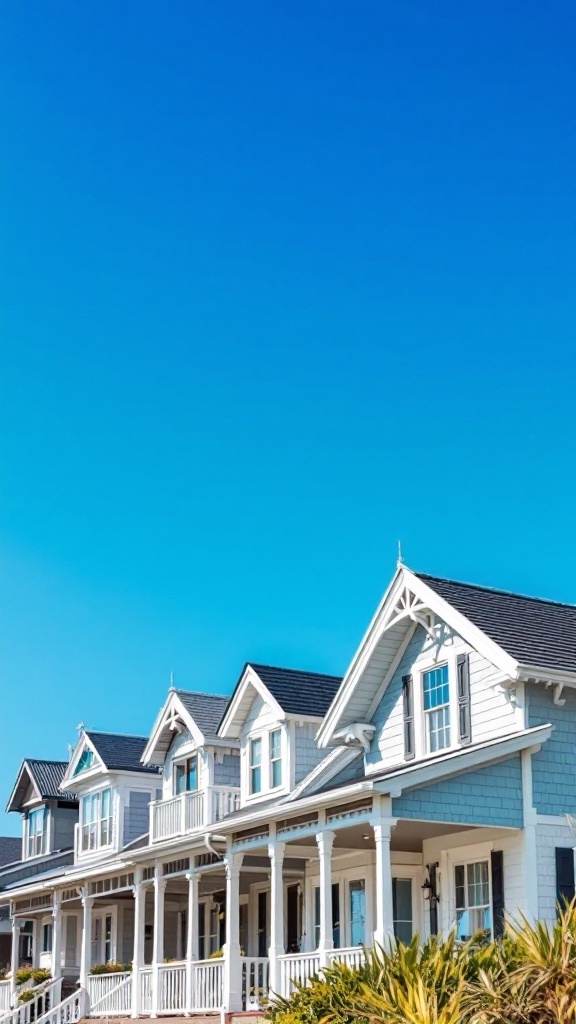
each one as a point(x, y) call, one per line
point(299, 693)
point(10, 850)
point(121, 753)
point(48, 775)
point(530, 629)
point(206, 709)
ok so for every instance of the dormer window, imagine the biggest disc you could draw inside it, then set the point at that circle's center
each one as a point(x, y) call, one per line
point(436, 690)
point(96, 820)
point(275, 758)
point(85, 761)
point(256, 764)
point(37, 832)
point(186, 775)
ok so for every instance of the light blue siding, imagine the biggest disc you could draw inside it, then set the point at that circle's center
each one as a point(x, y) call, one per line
point(227, 773)
point(387, 746)
point(488, 796)
point(553, 768)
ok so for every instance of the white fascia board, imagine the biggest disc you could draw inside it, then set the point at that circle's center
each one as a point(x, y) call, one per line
point(172, 701)
point(23, 768)
point(553, 675)
point(458, 761)
point(464, 627)
point(337, 796)
point(68, 880)
point(359, 662)
point(68, 782)
point(249, 679)
point(337, 759)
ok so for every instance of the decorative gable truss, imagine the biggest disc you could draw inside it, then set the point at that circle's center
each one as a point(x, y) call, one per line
point(408, 604)
point(173, 720)
point(85, 763)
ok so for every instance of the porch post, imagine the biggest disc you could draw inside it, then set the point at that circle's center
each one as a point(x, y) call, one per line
point(15, 957)
point(232, 962)
point(158, 939)
point(325, 841)
point(139, 894)
point(191, 936)
point(384, 931)
point(57, 935)
point(86, 947)
point(276, 853)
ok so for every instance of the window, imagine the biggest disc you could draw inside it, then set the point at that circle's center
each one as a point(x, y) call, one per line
point(275, 758)
point(256, 765)
point(86, 761)
point(437, 708)
point(46, 938)
point(96, 820)
point(37, 832)
point(357, 892)
point(402, 908)
point(473, 911)
point(186, 775)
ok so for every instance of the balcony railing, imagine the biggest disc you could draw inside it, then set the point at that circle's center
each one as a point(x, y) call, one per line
point(190, 811)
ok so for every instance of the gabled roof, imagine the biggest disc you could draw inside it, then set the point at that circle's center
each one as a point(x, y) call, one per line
point(534, 631)
point(10, 850)
point(121, 753)
point(289, 692)
point(199, 713)
point(45, 778)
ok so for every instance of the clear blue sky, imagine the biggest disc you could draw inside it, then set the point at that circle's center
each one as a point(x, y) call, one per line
point(282, 282)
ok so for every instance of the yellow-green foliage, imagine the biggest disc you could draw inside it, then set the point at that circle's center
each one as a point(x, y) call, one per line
point(527, 978)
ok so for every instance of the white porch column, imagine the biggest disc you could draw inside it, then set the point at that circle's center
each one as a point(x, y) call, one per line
point(158, 940)
point(529, 848)
point(139, 894)
point(325, 841)
point(86, 946)
point(57, 935)
point(384, 931)
point(15, 957)
point(191, 936)
point(232, 962)
point(276, 853)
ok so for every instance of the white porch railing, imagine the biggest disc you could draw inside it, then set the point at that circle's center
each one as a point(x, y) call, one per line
point(172, 988)
point(255, 974)
point(297, 969)
point(145, 983)
point(353, 956)
point(34, 1009)
point(190, 811)
point(4, 996)
point(207, 985)
point(110, 994)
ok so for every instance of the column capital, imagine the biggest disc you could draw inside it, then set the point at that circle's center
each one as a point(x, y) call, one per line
point(325, 841)
point(87, 901)
point(160, 883)
point(276, 851)
point(232, 865)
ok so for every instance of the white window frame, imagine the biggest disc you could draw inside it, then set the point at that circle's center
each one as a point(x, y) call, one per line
point(277, 730)
point(450, 858)
point(465, 863)
point(183, 762)
point(440, 707)
point(37, 841)
point(419, 667)
point(94, 828)
point(256, 738)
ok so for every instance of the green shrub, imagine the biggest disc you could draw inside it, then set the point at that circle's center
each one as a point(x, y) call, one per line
point(112, 967)
point(23, 974)
point(40, 975)
point(26, 995)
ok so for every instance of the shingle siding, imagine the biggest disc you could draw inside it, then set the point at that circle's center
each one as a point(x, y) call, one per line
point(136, 815)
point(63, 822)
point(227, 772)
point(553, 774)
point(307, 754)
point(488, 796)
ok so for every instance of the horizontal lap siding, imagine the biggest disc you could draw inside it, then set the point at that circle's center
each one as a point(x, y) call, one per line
point(553, 776)
point(548, 837)
point(489, 796)
point(387, 747)
point(492, 713)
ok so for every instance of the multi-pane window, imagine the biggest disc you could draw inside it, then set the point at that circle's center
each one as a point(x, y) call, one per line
point(46, 938)
point(37, 831)
point(437, 708)
point(96, 829)
point(402, 908)
point(85, 762)
point(473, 910)
point(255, 765)
point(275, 758)
point(186, 775)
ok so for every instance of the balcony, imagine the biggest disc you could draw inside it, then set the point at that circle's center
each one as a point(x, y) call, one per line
point(191, 811)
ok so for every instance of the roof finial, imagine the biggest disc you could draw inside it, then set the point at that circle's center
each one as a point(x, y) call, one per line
point(172, 687)
point(80, 727)
point(399, 561)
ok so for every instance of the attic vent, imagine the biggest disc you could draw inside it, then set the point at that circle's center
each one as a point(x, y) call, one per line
point(176, 867)
point(148, 874)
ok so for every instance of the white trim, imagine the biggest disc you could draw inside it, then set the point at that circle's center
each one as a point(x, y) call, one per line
point(249, 678)
point(172, 702)
point(71, 782)
point(335, 761)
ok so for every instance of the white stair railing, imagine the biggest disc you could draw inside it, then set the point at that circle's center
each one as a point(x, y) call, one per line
point(5, 989)
point(69, 1011)
point(110, 994)
point(33, 1009)
point(145, 983)
point(255, 986)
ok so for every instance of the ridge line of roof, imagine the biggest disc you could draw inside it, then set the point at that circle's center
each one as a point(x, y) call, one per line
point(117, 735)
point(493, 590)
point(201, 693)
point(300, 671)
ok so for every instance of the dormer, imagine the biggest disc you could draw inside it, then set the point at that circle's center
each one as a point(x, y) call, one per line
point(275, 714)
point(200, 771)
point(114, 791)
point(49, 814)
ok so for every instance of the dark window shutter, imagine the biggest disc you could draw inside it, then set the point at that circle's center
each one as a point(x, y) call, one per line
point(433, 879)
point(408, 712)
point(564, 874)
point(497, 866)
point(463, 681)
